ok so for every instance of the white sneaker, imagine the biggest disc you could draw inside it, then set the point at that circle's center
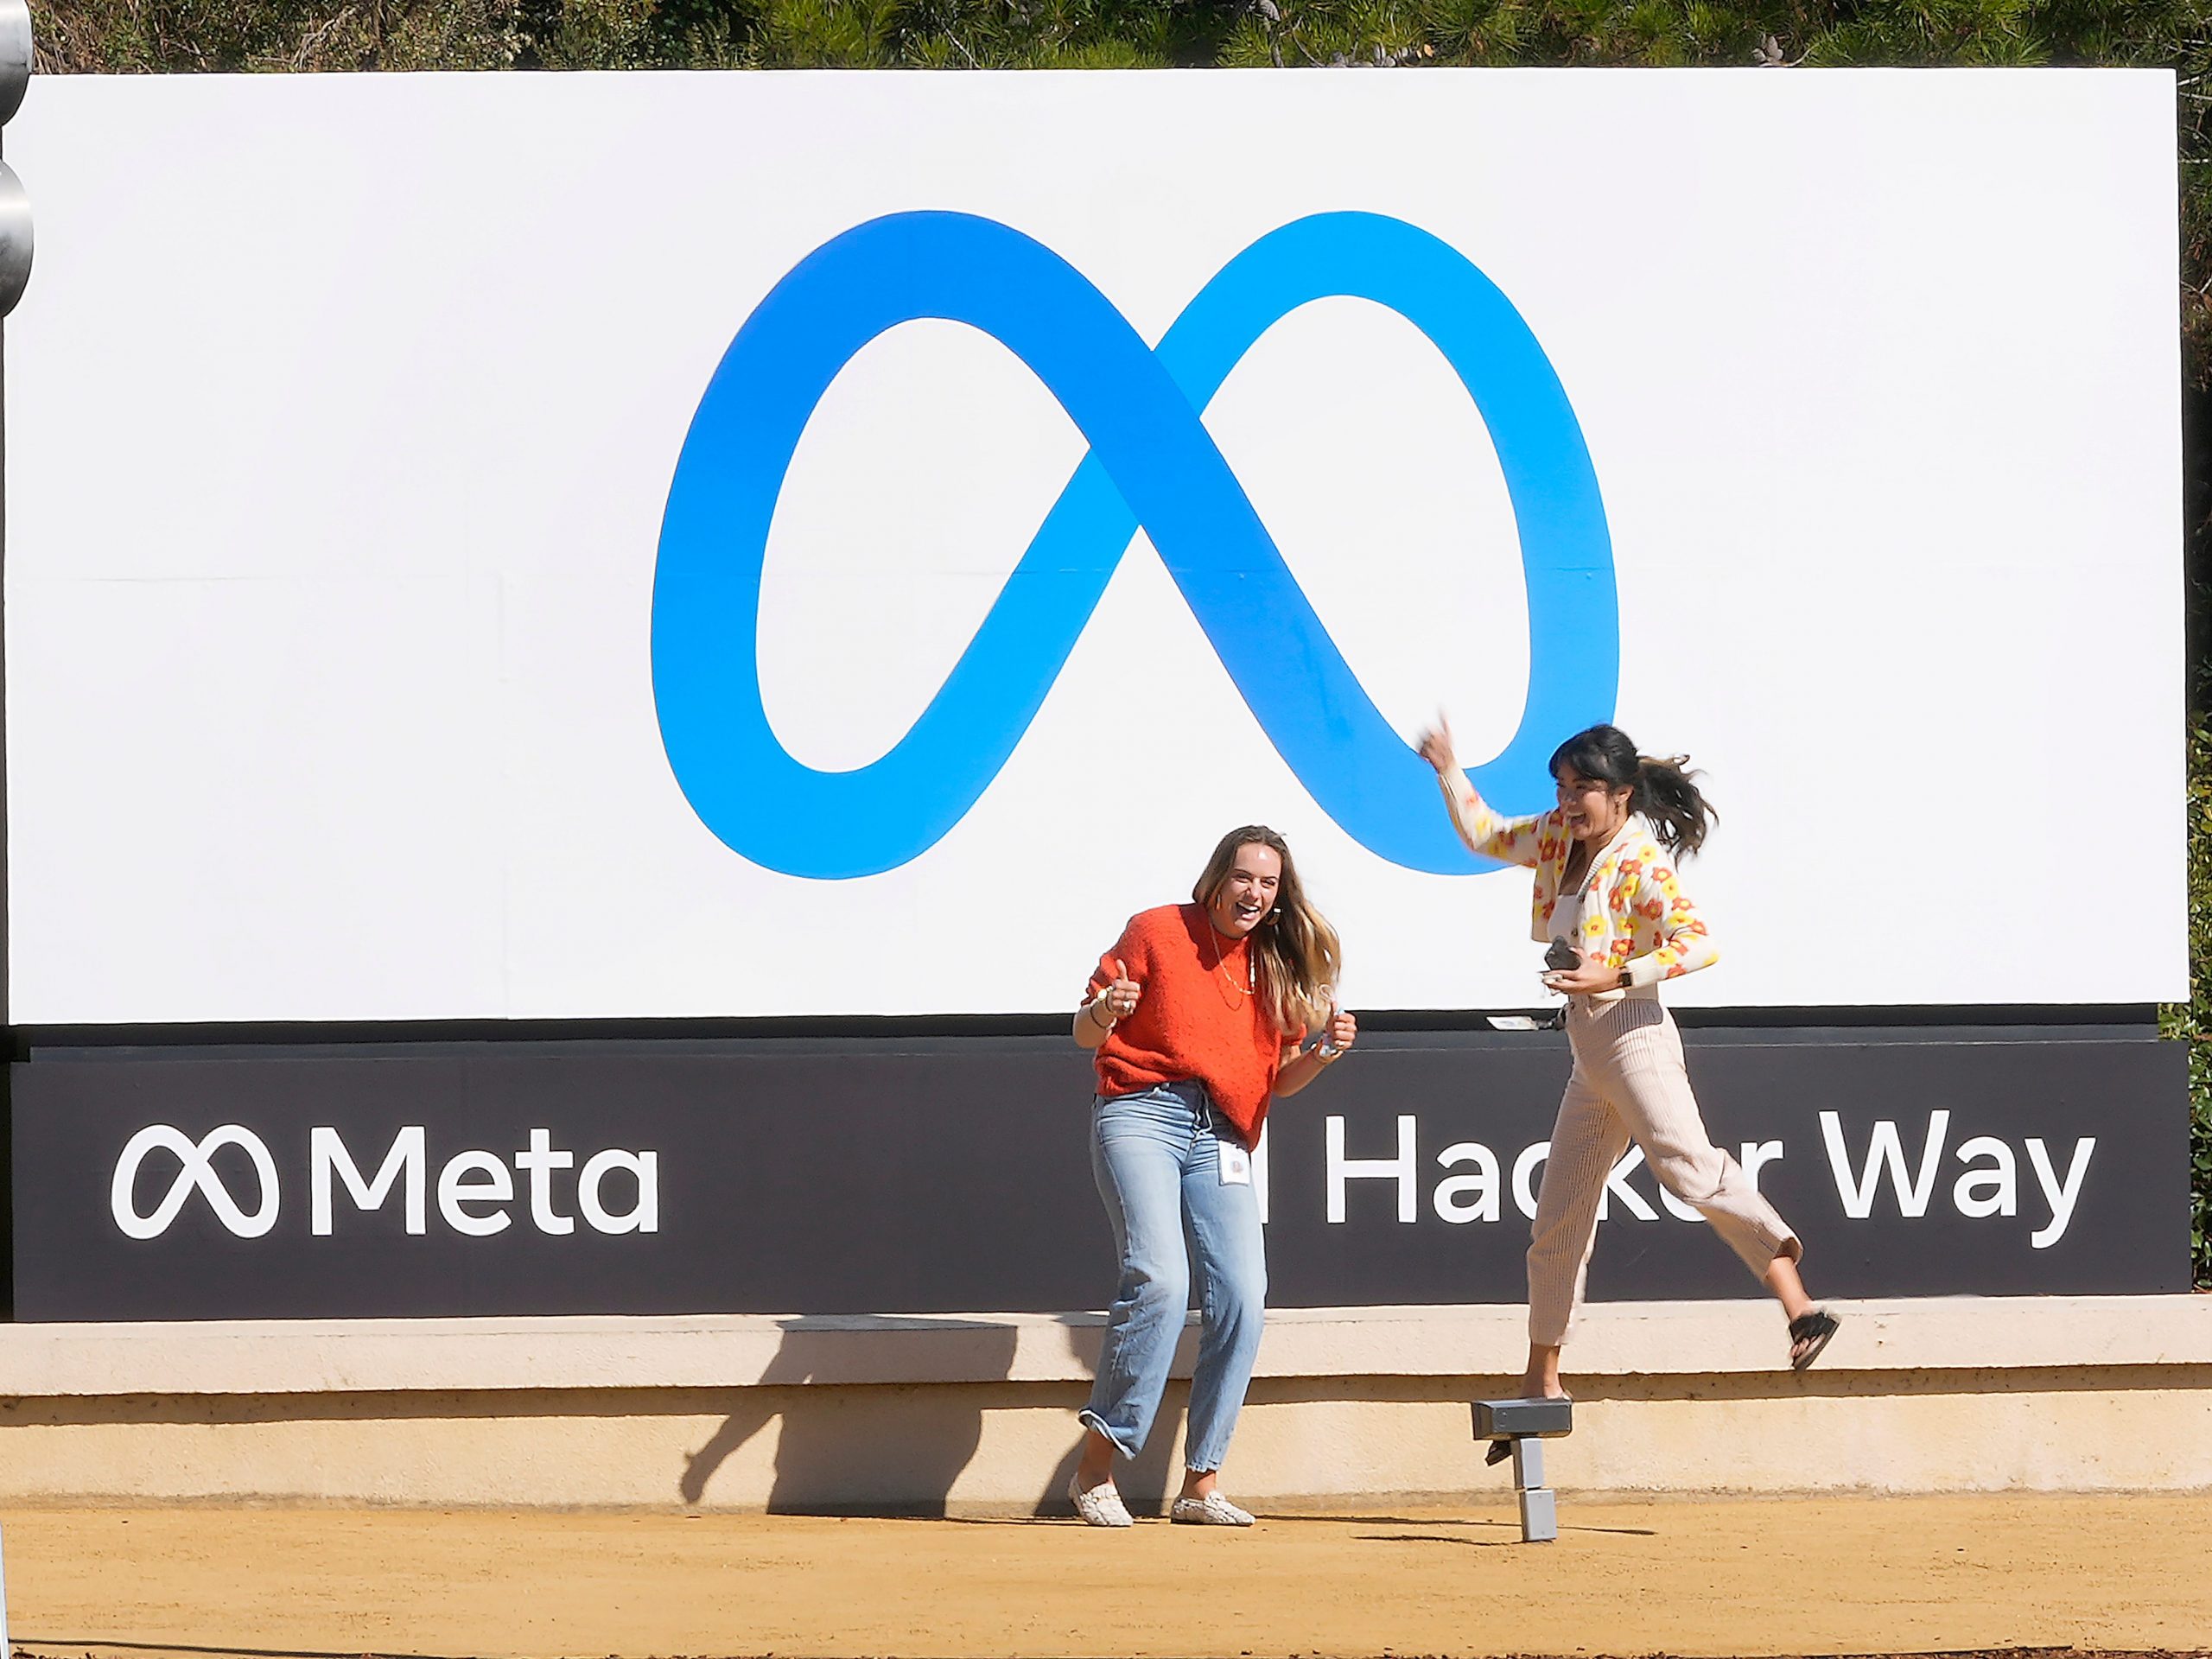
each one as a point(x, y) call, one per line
point(1211, 1510)
point(1101, 1506)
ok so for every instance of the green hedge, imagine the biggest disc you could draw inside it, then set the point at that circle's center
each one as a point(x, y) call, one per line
point(2191, 1022)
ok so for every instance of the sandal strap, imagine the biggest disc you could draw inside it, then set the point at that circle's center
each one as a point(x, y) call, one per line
point(1810, 1335)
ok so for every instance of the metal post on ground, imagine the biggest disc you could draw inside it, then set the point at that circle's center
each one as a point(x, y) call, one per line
point(1528, 1424)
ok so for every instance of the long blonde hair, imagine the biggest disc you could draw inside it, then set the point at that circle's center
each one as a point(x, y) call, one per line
point(1297, 950)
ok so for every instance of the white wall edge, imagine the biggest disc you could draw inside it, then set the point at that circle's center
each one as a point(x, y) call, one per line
point(724, 1351)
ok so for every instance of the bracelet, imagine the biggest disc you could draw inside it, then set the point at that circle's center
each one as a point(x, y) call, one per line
point(1096, 1003)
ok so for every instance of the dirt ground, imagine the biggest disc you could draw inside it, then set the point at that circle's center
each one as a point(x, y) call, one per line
point(1825, 1576)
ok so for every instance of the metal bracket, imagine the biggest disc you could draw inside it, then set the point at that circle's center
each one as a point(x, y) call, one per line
point(17, 54)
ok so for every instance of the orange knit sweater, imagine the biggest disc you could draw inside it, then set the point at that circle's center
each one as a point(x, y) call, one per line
point(1195, 1020)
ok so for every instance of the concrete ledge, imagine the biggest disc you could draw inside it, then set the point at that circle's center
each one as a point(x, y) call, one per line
point(977, 1414)
point(1007, 1448)
point(719, 1351)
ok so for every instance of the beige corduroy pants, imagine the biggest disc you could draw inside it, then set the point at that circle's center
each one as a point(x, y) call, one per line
point(1629, 1085)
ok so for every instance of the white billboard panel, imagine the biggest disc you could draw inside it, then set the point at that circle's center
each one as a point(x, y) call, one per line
point(407, 617)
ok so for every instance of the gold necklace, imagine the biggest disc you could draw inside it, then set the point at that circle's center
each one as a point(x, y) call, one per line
point(1251, 985)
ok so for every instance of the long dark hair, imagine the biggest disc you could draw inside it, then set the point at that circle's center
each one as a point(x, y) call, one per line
point(1300, 957)
point(1660, 790)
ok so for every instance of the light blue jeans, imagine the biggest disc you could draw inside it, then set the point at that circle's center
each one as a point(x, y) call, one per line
point(1156, 1158)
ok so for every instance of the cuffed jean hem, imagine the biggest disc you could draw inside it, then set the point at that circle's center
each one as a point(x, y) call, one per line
point(1091, 1420)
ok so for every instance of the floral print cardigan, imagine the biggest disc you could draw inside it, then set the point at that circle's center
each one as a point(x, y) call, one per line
point(1635, 915)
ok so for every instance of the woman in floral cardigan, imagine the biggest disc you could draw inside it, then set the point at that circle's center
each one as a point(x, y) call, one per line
point(1609, 899)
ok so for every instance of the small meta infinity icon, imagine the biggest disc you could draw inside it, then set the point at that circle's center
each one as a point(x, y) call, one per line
point(196, 1168)
point(1152, 462)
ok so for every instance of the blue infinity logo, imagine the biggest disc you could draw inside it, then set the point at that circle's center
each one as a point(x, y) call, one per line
point(1151, 462)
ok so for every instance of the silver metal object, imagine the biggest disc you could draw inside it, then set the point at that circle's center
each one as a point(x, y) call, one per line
point(1528, 1424)
point(1328, 1049)
point(1514, 1420)
point(1539, 1516)
point(15, 238)
point(1527, 1466)
point(16, 51)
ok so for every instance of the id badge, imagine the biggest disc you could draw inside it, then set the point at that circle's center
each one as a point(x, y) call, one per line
point(1236, 1164)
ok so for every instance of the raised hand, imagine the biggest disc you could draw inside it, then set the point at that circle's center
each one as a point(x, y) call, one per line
point(1121, 997)
point(1436, 746)
point(1341, 1031)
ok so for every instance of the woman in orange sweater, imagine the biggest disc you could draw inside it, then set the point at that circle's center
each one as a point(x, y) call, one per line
point(1198, 1016)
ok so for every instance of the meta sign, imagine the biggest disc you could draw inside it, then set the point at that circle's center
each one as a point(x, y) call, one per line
point(585, 772)
point(928, 511)
point(874, 1175)
point(1151, 465)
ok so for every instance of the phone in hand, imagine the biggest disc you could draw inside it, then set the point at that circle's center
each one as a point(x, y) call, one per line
point(1562, 956)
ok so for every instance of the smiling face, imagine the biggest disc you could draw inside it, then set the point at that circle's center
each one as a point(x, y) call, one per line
point(1594, 808)
point(1243, 896)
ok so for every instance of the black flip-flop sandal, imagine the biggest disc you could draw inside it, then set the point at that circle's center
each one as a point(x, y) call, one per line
point(1814, 1329)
